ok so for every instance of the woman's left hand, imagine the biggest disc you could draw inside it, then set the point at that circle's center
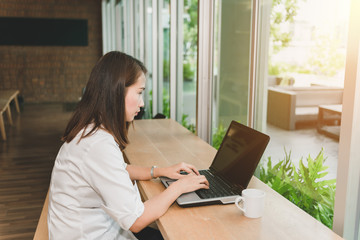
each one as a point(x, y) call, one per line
point(174, 171)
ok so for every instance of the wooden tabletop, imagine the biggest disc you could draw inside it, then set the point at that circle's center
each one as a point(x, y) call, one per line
point(165, 142)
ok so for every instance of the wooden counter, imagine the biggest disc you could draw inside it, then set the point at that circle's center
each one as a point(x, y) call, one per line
point(165, 142)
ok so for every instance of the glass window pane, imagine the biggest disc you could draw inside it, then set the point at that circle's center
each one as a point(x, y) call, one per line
point(165, 86)
point(137, 28)
point(190, 33)
point(231, 66)
point(304, 101)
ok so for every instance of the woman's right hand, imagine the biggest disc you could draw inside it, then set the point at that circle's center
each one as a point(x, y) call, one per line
point(190, 183)
point(156, 206)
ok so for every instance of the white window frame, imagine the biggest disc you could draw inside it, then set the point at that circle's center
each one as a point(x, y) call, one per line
point(347, 197)
point(253, 62)
point(261, 66)
point(160, 57)
point(131, 30)
point(155, 52)
point(148, 55)
point(176, 59)
point(118, 26)
point(142, 30)
point(205, 74)
point(104, 26)
point(112, 27)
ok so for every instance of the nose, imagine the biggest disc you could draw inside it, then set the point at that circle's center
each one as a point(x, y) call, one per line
point(141, 104)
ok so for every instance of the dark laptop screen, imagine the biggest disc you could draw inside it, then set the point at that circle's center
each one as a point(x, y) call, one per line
point(239, 154)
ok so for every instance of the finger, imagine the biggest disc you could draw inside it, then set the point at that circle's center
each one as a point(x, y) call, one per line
point(194, 169)
point(202, 180)
point(206, 182)
point(188, 170)
point(191, 169)
point(203, 185)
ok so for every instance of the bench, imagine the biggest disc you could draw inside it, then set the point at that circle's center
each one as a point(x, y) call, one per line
point(290, 106)
point(41, 232)
point(6, 97)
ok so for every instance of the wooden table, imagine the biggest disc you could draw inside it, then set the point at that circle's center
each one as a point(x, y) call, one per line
point(163, 142)
point(329, 120)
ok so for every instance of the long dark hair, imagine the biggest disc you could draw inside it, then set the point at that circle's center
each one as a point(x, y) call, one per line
point(103, 102)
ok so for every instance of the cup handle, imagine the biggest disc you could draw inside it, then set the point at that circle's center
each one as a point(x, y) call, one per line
point(237, 201)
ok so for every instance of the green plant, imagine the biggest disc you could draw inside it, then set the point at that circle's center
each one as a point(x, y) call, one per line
point(185, 123)
point(190, 39)
point(282, 12)
point(166, 103)
point(304, 185)
point(150, 103)
point(188, 72)
point(190, 31)
point(218, 136)
point(166, 70)
point(283, 68)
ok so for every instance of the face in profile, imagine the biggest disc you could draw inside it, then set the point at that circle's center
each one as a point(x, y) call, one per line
point(134, 98)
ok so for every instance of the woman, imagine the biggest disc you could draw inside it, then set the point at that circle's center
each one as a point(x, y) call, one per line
point(92, 190)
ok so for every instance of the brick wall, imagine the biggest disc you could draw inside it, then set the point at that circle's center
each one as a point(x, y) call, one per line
point(51, 73)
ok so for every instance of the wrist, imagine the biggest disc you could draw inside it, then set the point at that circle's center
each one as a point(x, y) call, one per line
point(158, 172)
point(175, 189)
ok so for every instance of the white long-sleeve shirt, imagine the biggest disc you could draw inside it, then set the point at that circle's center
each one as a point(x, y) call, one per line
point(91, 193)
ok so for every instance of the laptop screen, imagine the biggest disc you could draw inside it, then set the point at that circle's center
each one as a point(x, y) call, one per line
point(239, 154)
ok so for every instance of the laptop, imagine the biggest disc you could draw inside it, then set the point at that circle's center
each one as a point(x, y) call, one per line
point(231, 170)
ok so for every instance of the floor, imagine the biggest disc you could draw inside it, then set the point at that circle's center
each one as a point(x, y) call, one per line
point(26, 160)
point(27, 157)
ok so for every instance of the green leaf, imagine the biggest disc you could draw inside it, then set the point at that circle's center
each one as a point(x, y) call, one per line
point(304, 185)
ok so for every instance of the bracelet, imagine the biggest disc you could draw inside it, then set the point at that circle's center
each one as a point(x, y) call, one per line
point(152, 171)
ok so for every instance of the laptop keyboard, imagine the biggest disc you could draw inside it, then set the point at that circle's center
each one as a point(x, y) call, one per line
point(218, 188)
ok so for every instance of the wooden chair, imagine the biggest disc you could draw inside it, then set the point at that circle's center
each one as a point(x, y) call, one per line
point(41, 232)
point(4, 107)
point(6, 97)
point(11, 95)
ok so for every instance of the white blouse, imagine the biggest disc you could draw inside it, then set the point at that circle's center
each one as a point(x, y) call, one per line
point(91, 193)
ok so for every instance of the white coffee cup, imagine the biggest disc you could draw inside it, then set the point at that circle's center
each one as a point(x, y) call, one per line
point(253, 202)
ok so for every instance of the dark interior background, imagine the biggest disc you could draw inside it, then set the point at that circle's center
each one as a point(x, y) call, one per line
point(43, 73)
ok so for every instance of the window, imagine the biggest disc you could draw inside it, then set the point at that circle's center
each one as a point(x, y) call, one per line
point(306, 80)
point(231, 74)
point(234, 53)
